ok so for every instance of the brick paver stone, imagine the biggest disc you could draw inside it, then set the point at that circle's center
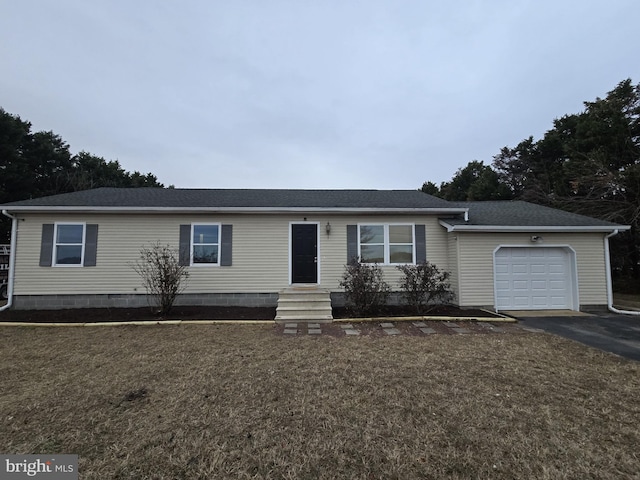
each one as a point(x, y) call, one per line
point(419, 324)
point(314, 331)
point(391, 331)
point(291, 325)
point(351, 331)
point(461, 330)
point(387, 325)
point(451, 325)
point(428, 331)
point(290, 331)
point(314, 325)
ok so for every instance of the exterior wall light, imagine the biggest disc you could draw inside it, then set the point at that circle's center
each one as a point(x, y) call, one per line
point(327, 227)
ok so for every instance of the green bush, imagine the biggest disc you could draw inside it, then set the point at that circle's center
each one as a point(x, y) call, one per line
point(365, 290)
point(424, 285)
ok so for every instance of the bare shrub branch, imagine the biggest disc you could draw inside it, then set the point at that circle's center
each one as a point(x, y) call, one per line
point(162, 275)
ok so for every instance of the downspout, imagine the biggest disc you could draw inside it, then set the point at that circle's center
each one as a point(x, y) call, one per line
point(12, 260)
point(607, 263)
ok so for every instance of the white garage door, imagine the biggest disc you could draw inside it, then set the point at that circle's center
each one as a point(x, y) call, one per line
point(533, 278)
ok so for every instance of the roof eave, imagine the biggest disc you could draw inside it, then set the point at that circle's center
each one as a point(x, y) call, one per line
point(532, 228)
point(230, 210)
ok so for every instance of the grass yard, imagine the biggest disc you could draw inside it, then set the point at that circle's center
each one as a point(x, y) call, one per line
point(236, 401)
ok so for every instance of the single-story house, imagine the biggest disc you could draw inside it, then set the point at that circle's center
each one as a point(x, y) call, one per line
point(247, 247)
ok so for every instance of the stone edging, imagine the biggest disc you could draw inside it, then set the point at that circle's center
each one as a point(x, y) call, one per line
point(501, 319)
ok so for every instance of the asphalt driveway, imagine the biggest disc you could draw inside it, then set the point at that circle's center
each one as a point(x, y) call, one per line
point(619, 334)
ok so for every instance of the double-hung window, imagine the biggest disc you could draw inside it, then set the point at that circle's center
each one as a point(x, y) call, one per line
point(205, 244)
point(390, 244)
point(69, 241)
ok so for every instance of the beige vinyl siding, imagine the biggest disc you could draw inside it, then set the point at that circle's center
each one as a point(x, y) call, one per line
point(437, 245)
point(260, 252)
point(476, 283)
point(452, 256)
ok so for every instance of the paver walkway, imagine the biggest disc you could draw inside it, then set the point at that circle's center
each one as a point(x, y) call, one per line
point(422, 328)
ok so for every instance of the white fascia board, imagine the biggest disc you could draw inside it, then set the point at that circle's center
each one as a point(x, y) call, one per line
point(531, 228)
point(247, 210)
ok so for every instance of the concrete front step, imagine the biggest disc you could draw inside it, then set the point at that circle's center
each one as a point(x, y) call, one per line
point(306, 309)
point(305, 318)
point(304, 304)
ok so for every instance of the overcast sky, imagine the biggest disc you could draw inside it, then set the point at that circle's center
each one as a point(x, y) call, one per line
point(308, 94)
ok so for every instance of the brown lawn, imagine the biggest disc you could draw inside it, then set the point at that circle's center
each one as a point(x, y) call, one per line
point(237, 401)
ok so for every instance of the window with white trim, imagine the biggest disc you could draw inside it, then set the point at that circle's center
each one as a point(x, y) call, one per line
point(391, 244)
point(69, 242)
point(205, 244)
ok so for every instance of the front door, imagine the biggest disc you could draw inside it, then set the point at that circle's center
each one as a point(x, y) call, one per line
point(304, 253)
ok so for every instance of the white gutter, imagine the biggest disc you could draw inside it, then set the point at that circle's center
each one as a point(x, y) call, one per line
point(607, 263)
point(12, 260)
point(528, 228)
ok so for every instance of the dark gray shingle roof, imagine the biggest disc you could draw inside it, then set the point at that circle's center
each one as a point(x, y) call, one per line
point(491, 213)
point(230, 198)
point(519, 213)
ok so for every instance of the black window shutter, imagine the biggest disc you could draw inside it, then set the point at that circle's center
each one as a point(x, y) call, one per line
point(91, 245)
point(226, 237)
point(421, 244)
point(46, 245)
point(352, 244)
point(184, 254)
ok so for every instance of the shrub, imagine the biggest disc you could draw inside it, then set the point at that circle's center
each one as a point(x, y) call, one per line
point(365, 290)
point(162, 275)
point(424, 284)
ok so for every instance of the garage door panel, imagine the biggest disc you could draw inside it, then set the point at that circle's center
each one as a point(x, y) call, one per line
point(521, 302)
point(533, 278)
point(541, 301)
point(538, 284)
point(520, 285)
point(503, 303)
point(519, 268)
point(502, 269)
point(538, 269)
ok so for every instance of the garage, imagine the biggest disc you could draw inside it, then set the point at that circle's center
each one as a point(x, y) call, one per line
point(534, 278)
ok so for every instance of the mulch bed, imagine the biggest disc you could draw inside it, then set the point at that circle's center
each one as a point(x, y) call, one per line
point(86, 315)
point(405, 311)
